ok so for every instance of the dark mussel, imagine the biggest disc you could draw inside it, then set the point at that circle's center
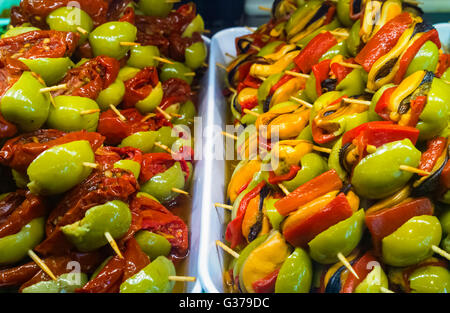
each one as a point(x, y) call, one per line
point(343, 152)
point(256, 228)
point(328, 84)
point(422, 28)
point(408, 7)
point(356, 7)
point(431, 183)
point(232, 79)
point(323, 10)
point(266, 103)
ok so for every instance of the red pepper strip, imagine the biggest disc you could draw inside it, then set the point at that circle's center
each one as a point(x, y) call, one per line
point(140, 86)
point(128, 16)
point(321, 71)
point(249, 103)
point(252, 82)
point(384, 40)
point(384, 222)
point(409, 54)
point(305, 229)
point(319, 134)
point(234, 229)
point(284, 79)
point(243, 187)
point(266, 284)
point(309, 191)
point(288, 176)
point(417, 106)
point(444, 64)
point(153, 164)
point(377, 134)
point(314, 50)
point(381, 107)
point(7, 129)
point(341, 71)
point(330, 14)
point(362, 268)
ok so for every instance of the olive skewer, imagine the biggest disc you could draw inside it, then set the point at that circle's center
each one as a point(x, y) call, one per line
point(41, 264)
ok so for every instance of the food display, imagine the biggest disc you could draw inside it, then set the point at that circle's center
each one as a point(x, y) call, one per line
point(342, 185)
point(97, 99)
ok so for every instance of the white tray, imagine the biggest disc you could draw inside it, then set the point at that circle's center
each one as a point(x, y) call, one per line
point(212, 186)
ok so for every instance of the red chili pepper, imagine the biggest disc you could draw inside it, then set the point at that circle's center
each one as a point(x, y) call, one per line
point(288, 176)
point(314, 50)
point(384, 40)
point(384, 222)
point(140, 86)
point(266, 284)
point(377, 134)
point(410, 53)
point(321, 71)
point(309, 191)
point(233, 233)
point(362, 268)
point(305, 229)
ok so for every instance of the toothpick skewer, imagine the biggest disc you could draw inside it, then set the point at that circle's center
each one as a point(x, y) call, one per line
point(129, 44)
point(222, 66)
point(82, 30)
point(89, 111)
point(149, 115)
point(180, 191)
point(322, 149)
point(260, 7)
point(189, 74)
point(164, 113)
point(232, 89)
point(351, 65)
point(89, 164)
point(303, 102)
point(229, 55)
point(121, 117)
point(113, 244)
point(411, 169)
point(224, 206)
point(41, 264)
point(162, 60)
point(227, 249)
point(357, 101)
point(441, 252)
point(164, 147)
point(53, 88)
point(344, 261)
point(301, 75)
point(229, 135)
point(385, 290)
point(247, 111)
point(284, 189)
point(182, 278)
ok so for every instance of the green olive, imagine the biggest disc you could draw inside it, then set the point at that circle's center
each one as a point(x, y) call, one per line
point(60, 168)
point(24, 105)
point(342, 237)
point(20, 179)
point(129, 165)
point(66, 283)
point(140, 140)
point(153, 100)
point(71, 19)
point(176, 70)
point(430, 279)
point(14, 248)
point(160, 185)
point(426, 58)
point(127, 72)
point(195, 55)
point(196, 26)
point(296, 273)
point(111, 95)
point(71, 113)
point(15, 31)
point(378, 175)
point(154, 278)
point(373, 282)
point(411, 243)
point(160, 8)
point(143, 56)
point(144, 194)
point(153, 244)
point(52, 70)
point(312, 165)
point(166, 137)
point(88, 233)
point(444, 218)
point(188, 112)
point(271, 212)
point(107, 38)
point(354, 40)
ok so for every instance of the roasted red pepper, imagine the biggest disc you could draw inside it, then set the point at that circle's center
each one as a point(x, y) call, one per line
point(314, 50)
point(115, 130)
point(233, 233)
point(409, 54)
point(309, 191)
point(384, 40)
point(384, 222)
point(288, 176)
point(20, 151)
point(175, 91)
point(153, 164)
point(305, 229)
point(89, 79)
point(266, 284)
point(444, 64)
point(362, 268)
point(381, 107)
point(321, 71)
point(378, 134)
point(140, 86)
point(341, 71)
